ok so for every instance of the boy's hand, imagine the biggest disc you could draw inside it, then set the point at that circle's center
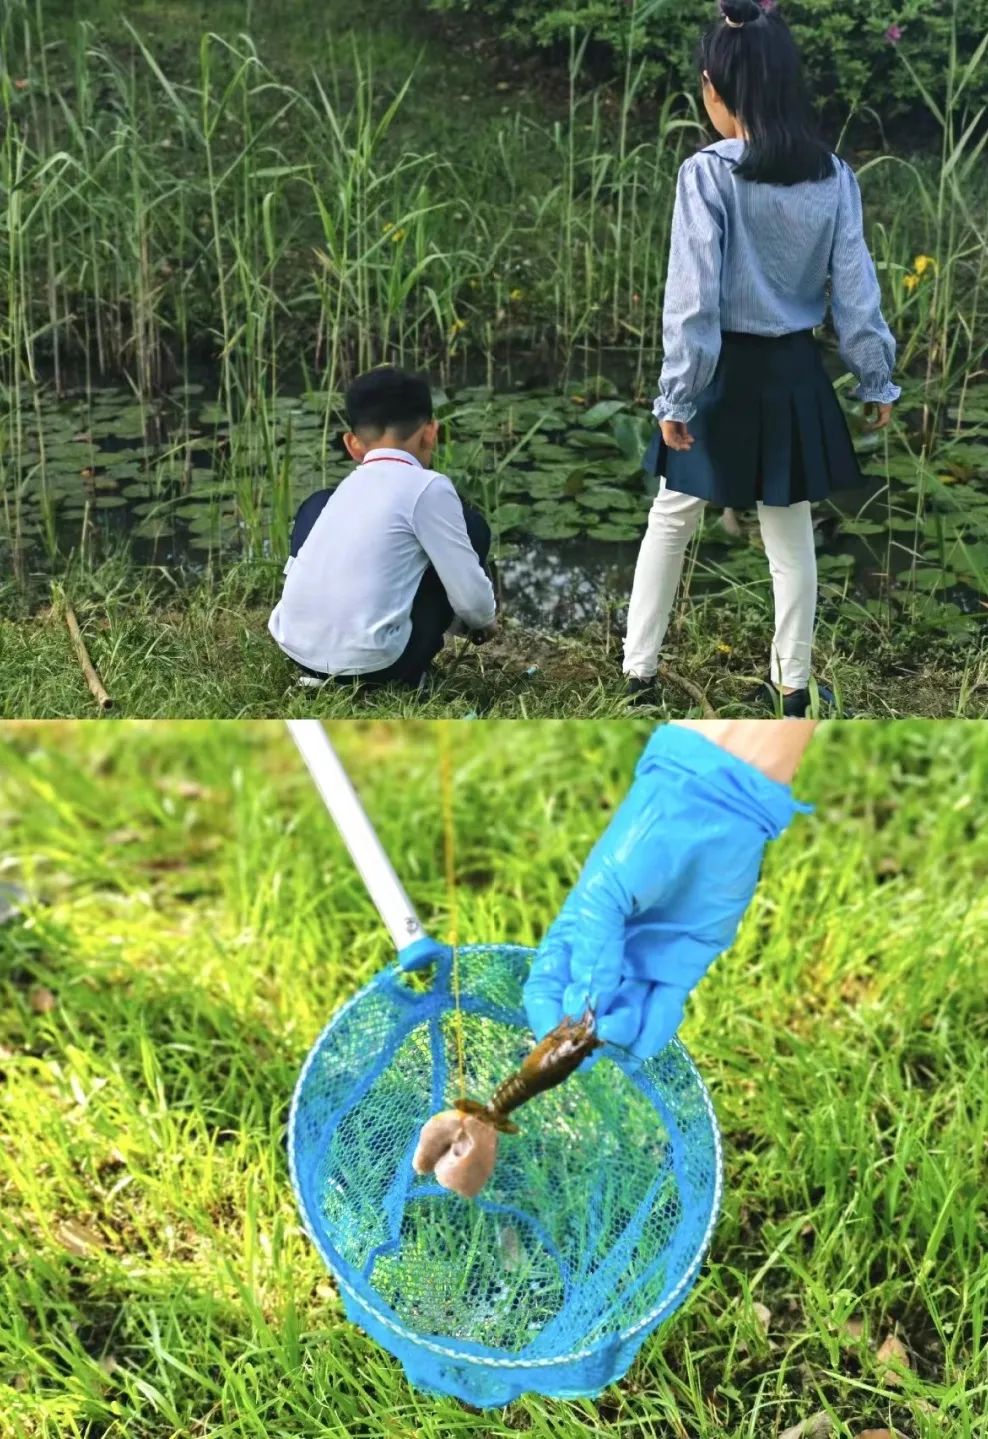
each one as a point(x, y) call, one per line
point(877, 416)
point(480, 637)
point(676, 434)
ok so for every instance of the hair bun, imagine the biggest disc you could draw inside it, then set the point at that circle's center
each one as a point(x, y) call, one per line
point(740, 12)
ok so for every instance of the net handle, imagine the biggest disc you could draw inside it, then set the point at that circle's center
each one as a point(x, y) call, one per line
point(340, 798)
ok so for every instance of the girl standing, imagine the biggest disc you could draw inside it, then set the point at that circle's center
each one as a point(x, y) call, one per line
point(765, 218)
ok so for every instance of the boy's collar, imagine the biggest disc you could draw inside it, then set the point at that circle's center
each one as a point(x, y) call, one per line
point(382, 452)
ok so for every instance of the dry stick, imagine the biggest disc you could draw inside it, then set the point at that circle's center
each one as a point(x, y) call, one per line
point(694, 691)
point(459, 654)
point(93, 680)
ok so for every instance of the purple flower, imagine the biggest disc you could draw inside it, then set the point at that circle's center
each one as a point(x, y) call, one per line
point(894, 34)
point(769, 5)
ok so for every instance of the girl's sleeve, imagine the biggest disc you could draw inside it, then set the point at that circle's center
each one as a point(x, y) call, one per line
point(691, 314)
point(867, 346)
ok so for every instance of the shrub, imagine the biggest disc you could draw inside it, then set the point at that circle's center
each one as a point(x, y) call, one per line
point(849, 47)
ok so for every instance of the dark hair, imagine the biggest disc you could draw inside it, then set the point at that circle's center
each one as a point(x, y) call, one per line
point(388, 399)
point(755, 68)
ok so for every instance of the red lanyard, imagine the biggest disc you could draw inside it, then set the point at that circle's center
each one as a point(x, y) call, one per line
point(385, 460)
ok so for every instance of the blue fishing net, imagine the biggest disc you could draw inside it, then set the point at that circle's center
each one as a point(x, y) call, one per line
point(589, 1233)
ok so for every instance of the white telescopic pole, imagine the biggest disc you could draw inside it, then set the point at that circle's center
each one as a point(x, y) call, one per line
point(357, 832)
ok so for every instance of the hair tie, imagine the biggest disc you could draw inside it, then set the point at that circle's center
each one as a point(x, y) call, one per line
point(737, 13)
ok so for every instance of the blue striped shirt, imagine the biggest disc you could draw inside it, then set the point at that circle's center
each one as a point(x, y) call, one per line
point(758, 258)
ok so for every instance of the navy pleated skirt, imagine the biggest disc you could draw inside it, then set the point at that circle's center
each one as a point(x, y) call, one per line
point(768, 427)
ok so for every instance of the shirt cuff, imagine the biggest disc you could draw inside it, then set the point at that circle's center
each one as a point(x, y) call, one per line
point(874, 392)
point(664, 409)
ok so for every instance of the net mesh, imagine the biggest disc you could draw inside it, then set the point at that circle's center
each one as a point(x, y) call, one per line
point(588, 1234)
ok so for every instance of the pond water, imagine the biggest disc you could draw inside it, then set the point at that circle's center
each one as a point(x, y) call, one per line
point(557, 473)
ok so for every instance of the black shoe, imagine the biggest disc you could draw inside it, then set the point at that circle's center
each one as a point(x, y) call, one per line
point(642, 692)
point(797, 705)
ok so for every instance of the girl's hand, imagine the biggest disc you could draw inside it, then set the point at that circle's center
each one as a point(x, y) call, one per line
point(662, 892)
point(877, 416)
point(676, 434)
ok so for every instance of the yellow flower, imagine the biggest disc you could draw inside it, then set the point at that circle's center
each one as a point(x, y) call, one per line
point(725, 649)
point(397, 235)
point(922, 263)
point(457, 326)
point(909, 282)
point(516, 294)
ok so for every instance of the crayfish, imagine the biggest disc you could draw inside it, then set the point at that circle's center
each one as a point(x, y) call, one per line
point(460, 1144)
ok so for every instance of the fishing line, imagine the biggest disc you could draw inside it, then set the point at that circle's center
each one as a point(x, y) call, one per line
point(449, 859)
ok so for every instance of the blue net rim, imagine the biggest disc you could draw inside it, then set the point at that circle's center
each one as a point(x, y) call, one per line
point(386, 1316)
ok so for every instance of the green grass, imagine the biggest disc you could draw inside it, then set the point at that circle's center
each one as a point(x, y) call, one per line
point(204, 652)
point(193, 921)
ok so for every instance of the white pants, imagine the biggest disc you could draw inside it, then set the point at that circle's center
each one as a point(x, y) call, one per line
point(787, 533)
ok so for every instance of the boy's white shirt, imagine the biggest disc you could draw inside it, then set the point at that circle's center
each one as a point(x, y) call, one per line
point(347, 601)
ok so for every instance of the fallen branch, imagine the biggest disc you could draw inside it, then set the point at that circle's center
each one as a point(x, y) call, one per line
point(688, 687)
point(93, 680)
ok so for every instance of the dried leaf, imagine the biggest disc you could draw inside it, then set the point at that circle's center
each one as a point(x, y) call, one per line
point(509, 1242)
point(185, 788)
point(109, 1364)
point(892, 1356)
point(854, 1328)
point(41, 1000)
point(880, 1434)
point(729, 519)
point(763, 1315)
point(817, 1426)
point(78, 1238)
point(124, 836)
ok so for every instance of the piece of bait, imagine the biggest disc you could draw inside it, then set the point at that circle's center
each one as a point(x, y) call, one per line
point(460, 1148)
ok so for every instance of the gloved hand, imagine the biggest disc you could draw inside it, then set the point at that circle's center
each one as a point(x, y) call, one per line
point(662, 893)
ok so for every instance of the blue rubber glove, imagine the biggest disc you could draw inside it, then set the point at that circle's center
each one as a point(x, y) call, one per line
point(662, 893)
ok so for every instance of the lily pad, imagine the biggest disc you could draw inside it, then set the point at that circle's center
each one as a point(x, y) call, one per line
point(926, 579)
point(615, 532)
point(606, 497)
point(509, 516)
point(862, 527)
point(600, 413)
point(548, 527)
point(601, 441)
point(154, 529)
